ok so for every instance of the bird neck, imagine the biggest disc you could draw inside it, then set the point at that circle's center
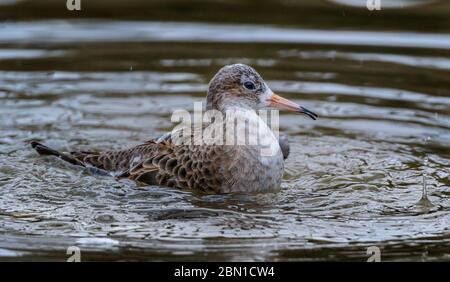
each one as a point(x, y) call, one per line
point(224, 104)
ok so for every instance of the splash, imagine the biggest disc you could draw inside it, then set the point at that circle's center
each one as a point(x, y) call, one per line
point(424, 201)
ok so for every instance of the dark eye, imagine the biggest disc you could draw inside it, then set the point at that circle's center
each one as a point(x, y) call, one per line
point(249, 85)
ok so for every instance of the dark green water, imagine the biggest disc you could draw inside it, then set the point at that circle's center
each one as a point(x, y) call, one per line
point(110, 76)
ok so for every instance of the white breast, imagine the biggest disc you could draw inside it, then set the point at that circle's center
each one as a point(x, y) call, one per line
point(261, 161)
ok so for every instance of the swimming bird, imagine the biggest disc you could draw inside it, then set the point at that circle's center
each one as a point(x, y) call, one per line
point(215, 167)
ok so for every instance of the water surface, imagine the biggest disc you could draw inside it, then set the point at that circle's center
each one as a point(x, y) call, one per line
point(354, 178)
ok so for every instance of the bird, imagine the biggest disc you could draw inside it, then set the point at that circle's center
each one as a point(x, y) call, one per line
point(236, 90)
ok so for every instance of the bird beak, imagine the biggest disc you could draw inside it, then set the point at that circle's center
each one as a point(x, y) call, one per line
point(285, 104)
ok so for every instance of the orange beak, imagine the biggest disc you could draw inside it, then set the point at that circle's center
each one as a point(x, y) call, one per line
point(285, 104)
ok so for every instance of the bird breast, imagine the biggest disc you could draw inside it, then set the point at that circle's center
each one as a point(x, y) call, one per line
point(258, 163)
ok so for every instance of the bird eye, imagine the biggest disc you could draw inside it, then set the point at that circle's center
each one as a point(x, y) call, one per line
point(249, 85)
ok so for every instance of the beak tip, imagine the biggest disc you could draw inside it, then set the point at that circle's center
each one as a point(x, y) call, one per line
point(309, 113)
point(282, 103)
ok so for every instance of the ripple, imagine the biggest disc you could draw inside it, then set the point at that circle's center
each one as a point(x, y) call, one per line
point(408, 60)
point(113, 31)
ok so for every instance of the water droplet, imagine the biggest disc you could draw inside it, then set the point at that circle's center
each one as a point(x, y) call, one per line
point(424, 185)
point(424, 200)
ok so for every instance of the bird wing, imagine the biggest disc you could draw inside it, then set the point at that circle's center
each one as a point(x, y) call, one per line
point(282, 141)
point(183, 166)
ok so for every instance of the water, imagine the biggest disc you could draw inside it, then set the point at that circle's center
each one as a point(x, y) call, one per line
point(372, 171)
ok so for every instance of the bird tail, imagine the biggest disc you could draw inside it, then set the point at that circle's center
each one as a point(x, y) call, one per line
point(44, 150)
